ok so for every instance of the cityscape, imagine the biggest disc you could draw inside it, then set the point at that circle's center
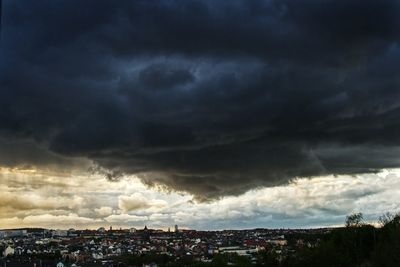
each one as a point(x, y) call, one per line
point(357, 243)
point(105, 247)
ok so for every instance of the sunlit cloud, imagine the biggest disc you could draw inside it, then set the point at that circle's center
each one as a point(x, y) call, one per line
point(36, 200)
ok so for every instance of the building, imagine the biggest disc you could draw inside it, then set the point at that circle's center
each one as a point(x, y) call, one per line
point(13, 233)
point(60, 233)
point(9, 251)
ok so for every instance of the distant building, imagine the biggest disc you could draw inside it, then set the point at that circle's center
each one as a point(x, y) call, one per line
point(278, 242)
point(237, 250)
point(60, 233)
point(13, 233)
point(176, 228)
point(9, 251)
point(101, 230)
point(98, 256)
point(72, 232)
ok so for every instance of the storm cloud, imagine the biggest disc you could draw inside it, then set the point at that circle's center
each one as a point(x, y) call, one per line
point(209, 97)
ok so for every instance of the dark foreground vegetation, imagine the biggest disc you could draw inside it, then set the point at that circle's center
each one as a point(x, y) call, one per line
point(357, 244)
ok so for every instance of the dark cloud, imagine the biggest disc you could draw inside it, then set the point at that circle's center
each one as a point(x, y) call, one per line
point(163, 77)
point(213, 98)
point(25, 154)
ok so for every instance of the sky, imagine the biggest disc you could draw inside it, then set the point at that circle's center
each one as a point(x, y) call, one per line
point(206, 114)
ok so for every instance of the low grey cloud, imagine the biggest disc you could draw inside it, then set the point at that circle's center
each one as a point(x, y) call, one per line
point(211, 98)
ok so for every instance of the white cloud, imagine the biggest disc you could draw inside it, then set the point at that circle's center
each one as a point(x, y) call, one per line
point(49, 220)
point(125, 219)
point(104, 211)
point(138, 201)
point(31, 199)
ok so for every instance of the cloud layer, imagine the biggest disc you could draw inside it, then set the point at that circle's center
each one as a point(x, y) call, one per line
point(83, 203)
point(211, 98)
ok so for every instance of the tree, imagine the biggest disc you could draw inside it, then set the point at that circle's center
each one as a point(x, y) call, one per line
point(387, 251)
point(355, 220)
